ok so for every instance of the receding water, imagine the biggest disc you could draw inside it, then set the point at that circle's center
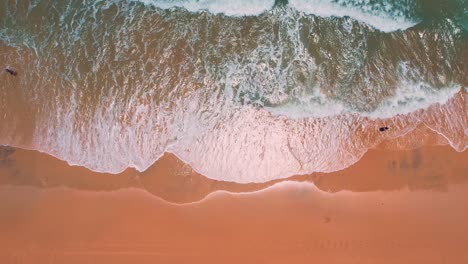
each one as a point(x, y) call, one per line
point(241, 90)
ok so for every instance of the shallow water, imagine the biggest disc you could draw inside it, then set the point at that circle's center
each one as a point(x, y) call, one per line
point(230, 87)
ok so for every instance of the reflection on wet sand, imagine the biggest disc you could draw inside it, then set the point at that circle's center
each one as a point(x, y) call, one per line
point(405, 206)
point(170, 179)
point(291, 222)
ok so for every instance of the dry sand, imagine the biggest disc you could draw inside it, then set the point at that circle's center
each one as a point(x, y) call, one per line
point(407, 206)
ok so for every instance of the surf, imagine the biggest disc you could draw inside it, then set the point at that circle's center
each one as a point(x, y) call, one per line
point(384, 16)
point(116, 84)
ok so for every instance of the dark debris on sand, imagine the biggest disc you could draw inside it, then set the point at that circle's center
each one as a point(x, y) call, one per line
point(11, 71)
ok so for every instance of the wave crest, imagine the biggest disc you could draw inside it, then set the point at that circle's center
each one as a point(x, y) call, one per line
point(385, 16)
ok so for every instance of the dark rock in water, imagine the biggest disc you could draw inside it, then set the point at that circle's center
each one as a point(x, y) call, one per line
point(12, 72)
point(382, 129)
point(6, 151)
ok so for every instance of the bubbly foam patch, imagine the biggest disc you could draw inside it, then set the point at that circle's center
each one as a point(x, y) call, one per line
point(206, 93)
point(411, 98)
point(239, 144)
point(408, 98)
point(253, 146)
point(227, 7)
point(315, 105)
point(382, 20)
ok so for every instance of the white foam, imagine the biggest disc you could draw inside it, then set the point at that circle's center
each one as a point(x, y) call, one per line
point(131, 124)
point(232, 143)
point(227, 7)
point(385, 21)
point(251, 145)
point(315, 105)
point(409, 97)
point(327, 8)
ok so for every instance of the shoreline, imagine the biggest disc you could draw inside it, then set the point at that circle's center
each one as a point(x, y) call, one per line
point(182, 131)
point(395, 205)
point(386, 169)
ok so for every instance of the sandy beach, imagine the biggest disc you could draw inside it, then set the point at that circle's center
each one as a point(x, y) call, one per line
point(174, 181)
point(390, 207)
point(233, 131)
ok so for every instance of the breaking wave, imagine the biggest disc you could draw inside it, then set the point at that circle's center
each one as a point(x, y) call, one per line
point(383, 15)
point(115, 84)
point(230, 8)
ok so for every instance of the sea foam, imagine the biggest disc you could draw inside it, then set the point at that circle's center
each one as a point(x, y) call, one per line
point(409, 97)
point(227, 7)
point(224, 102)
point(239, 144)
point(383, 20)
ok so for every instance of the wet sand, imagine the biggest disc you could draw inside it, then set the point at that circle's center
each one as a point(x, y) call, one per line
point(407, 206)
point(381, 169)
point(406, 201)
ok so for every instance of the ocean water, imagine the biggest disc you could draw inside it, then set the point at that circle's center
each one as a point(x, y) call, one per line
point(244, 91)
